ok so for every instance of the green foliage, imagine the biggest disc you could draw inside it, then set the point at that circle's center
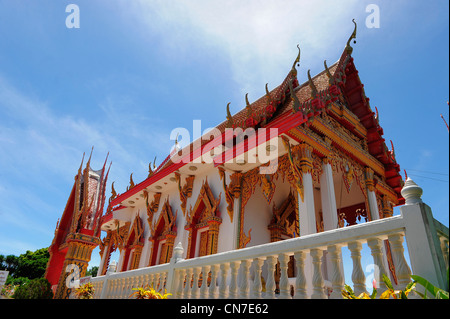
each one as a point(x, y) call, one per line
point(17, 281)
point(38, 288)
point(30, 265)
point(436, 292)
point(92, 271)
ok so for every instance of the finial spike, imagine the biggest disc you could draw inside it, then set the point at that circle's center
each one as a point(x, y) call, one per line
point(352, 36)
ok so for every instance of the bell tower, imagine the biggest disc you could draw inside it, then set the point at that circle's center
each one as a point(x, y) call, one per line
point(77, 233)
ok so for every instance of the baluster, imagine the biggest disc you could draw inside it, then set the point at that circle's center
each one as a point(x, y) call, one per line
point(151, 280)
point(213, 283)
point(163, 282)
point(195, 289)
point(204, 287)
point(133, 282)
point(317, 281)
point(402, 269)
point(244, 288)
point(125, 288)
point(234, 277)
point(337, 278)
point(358, 277)
point(257, 285)
point(270, 284)
point(181, 278)
point(300, 281)
point(187, 287)
point(284, 281)
point(113, 289)
point(157, 281)
point(375, 245)
point(145, 282)
point(223, 293)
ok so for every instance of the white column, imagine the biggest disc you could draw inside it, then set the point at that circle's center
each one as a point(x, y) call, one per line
point(236, 221)
point(328, 198)
point(373, 207)
point(306, 210)
point(424, 246)
point(371, 196)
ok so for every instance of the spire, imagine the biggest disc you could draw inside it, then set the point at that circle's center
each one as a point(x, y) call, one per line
point(352, 36)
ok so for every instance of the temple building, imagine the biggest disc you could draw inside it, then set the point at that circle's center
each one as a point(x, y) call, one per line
point(78, 231)
point(302, 159)
point(333, 169)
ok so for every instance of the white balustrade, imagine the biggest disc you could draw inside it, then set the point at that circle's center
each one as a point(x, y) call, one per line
point(240, 273)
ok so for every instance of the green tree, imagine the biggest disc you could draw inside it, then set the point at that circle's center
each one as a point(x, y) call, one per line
point(92, 271)
point(32, 264)
point(38, 288)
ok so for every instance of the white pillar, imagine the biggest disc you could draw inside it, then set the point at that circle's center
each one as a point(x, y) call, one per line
point(306, 210)
point(328, 198)
point(236, 221)
point(373, 207)
point(421, 237)
point(102, 261)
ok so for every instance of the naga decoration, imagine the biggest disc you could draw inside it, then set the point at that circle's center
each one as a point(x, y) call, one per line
point(352, 36)
point(131, 183)
point(152, 208)
point(229, 117)
point(150, 170)
point(185, 191)
point(232, 190)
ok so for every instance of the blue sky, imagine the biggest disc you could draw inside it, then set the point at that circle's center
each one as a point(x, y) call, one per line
point(135, 70)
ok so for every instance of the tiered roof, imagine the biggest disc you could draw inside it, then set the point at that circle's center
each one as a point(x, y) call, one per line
point(290, 105)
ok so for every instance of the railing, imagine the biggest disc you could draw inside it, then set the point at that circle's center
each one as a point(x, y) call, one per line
point(249, 272)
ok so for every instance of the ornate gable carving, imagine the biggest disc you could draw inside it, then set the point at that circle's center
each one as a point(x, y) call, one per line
point(210, 211)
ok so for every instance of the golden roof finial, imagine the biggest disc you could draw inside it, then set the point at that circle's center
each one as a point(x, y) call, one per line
point(352, 36)
point(248, 107)
point(330, 78)
point(312, 85)
point(229, 117)
point(269, 98)
point(297, 60)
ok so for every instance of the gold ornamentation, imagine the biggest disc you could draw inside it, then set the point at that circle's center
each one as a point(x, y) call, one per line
point(297, 60)
point(352, 36)
point(185, 191)
point(267, 186)
point(152, 208)
point(232, 191)
point(244, 239)
point(284, 219)
point(150, 170)
point(204, 214)
point(229, 117)
point(131, 183)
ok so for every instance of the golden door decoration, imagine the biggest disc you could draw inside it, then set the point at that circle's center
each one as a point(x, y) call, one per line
point(205, 214)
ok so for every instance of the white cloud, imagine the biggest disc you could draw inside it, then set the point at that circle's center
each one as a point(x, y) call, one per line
point(258, 37)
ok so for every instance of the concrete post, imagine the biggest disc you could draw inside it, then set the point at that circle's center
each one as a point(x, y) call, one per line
point(423, 243)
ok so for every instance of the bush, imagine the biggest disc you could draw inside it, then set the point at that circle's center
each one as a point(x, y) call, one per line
point(35, 289)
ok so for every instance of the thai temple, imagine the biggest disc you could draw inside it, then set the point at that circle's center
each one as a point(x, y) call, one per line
point(261, 206)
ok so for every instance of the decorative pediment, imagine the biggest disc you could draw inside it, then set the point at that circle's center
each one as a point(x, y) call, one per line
point(284, 219)
point(166, 221)
point(135, 235)
point(206, 207)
